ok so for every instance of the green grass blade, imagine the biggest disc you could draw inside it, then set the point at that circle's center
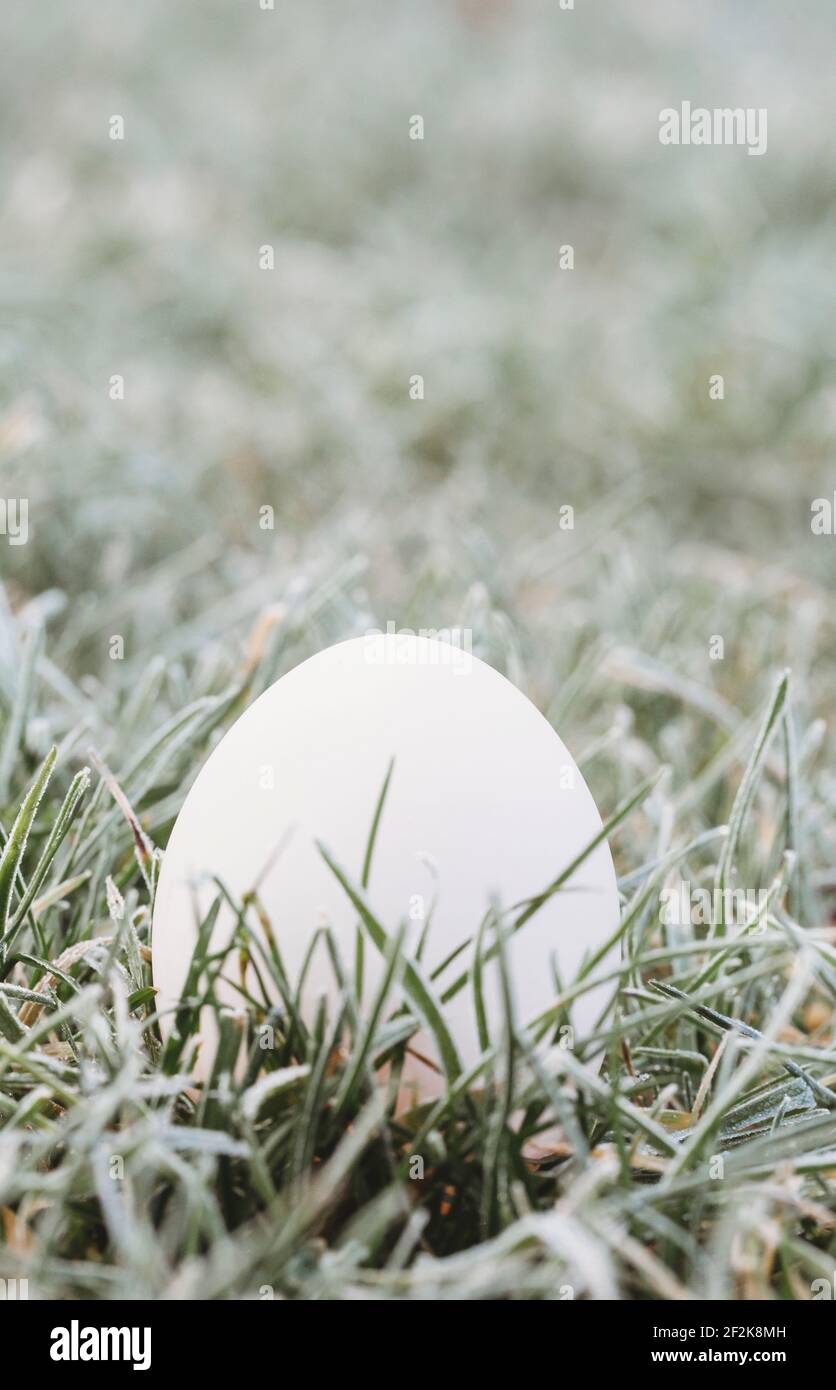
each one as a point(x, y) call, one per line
point(360, 942)
point(415, 984)
point(20, 707)
point(747, 788)
point(19, 834)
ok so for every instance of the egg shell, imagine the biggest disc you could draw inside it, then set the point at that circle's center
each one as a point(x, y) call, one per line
point(484, 803)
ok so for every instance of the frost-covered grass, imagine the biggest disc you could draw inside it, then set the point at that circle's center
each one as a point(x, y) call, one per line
point(700, 1160)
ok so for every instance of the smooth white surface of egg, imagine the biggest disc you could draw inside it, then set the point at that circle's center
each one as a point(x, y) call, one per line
point(484, 802)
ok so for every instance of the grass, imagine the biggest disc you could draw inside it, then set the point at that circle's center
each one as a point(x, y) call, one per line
point(698, 1162)
point(697, 1159)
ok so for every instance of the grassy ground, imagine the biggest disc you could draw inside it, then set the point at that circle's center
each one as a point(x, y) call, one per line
point(701, 1161)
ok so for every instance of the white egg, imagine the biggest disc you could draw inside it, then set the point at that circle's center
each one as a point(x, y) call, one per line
point(484, 804)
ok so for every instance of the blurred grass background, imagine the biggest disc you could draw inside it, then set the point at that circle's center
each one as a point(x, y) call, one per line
point(244, 387)
point(290, 388)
